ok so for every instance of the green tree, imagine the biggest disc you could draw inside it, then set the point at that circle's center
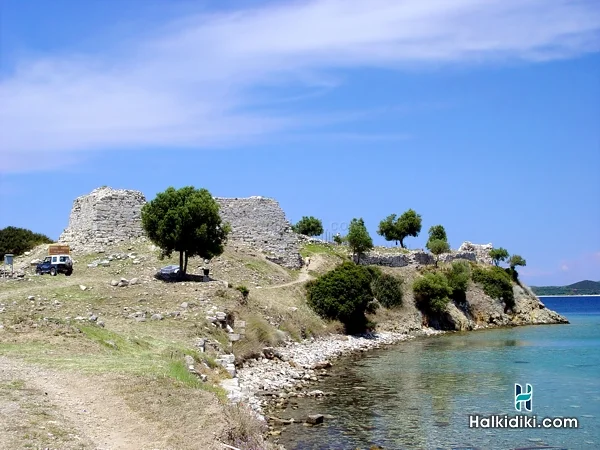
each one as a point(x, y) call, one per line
point(437, 247)
point(358, 238)
point(388, 229)
point(343, 294)
point(408, 224)
point(339, 239)
point(458, 276)
point(437, 232)
point(16, 241)
point(432, 292)
point(309, 226)
point(498, 255)
point(187, 221)
point(516, 260)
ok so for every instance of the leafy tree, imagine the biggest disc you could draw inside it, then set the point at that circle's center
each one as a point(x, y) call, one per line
point(17, 241)
point(408, 224)
point(342, 294)
point(187, 221)
point(516, 260)
point(358, 238)
point(513, 262)
point(388, 228)
point(498, 255)
point(387, 289)
point(437, 247)
point(437, 232)
point(309, 226)
point(432, 292)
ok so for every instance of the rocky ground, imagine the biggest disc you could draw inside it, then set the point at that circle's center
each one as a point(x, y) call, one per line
point(112, 357)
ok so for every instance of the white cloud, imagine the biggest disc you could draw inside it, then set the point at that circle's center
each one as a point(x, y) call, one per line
point(564, 268)
point(194, 83)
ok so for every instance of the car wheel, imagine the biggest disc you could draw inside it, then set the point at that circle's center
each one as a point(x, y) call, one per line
point(68, 273)
point(53, 271)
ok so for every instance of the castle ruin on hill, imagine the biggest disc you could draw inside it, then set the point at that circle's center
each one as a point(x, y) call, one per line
point(109, 216)
point(106, 217)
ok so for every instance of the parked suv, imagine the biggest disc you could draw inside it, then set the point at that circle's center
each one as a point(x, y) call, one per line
point(55, 264)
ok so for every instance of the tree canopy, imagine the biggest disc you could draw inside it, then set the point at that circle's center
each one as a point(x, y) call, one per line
point(437, 232)
point(437, 247)
point(17, 241)
point(397, 229)
point(358, 238)
point(187, 221)
point(309, 226)
point(516, 260)
point(498, 255)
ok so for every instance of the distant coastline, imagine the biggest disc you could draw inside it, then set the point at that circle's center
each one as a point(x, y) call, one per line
point(570, 295)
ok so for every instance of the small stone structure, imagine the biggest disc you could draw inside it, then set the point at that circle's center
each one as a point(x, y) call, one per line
point(260, 223)
point(104, 217)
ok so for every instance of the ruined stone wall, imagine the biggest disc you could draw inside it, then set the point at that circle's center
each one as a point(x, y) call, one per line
point(467, 251)
point(109, 216)
point(104, 217)
point(260, 223)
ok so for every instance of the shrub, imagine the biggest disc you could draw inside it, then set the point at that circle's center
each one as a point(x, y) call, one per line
point(458, 276)
point(342, 294)
point(309, 226)
point(387, 289)
point(432, 292)
point(338, 239)
point(244, 291)
point(496, 283)
point(17, 241)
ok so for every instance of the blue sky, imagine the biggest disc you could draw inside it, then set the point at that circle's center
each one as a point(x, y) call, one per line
point(482, 116)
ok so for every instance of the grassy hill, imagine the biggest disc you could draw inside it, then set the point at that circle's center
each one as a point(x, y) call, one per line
point(585, 287)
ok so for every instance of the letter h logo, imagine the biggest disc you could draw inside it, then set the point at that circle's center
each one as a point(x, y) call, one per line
point(523, 398)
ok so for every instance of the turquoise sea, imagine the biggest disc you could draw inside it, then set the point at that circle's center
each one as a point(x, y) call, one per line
point(419, 394)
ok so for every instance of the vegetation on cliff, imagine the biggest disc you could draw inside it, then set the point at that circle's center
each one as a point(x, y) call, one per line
point(17, 241)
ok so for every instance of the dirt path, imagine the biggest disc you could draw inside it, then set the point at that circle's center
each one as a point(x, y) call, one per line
point(315, 262)
point(83, 412)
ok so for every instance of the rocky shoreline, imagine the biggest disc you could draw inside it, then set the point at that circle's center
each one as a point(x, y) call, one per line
point(288, 371)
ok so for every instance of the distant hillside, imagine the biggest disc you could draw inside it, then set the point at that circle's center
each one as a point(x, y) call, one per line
point(585, 287)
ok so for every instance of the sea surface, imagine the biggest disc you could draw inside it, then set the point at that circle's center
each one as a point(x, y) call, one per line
point(419, 394)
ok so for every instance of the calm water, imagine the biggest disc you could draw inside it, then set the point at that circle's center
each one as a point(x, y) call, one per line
point(418, 394)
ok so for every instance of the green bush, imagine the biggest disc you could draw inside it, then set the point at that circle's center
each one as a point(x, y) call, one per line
point(458, 276)
point(432, 292)
point(496, 283)
point(309, 226)
point(244, 291)
point(388, 290)
point(343, 294)
point(17, 241)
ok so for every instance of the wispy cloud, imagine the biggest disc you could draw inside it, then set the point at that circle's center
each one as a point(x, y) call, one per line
point(211, 80)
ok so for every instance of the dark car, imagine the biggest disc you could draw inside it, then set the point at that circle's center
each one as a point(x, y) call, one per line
point(55, 264)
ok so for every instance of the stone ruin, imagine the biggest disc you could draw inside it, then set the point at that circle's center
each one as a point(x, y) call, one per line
point(109, 216)
point(103, 218)
point(467, 251)
point(260, 223)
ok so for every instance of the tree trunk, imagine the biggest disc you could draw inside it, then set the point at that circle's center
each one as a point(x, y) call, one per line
point(402, 243)
point(185, 263)
point(181, 269)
